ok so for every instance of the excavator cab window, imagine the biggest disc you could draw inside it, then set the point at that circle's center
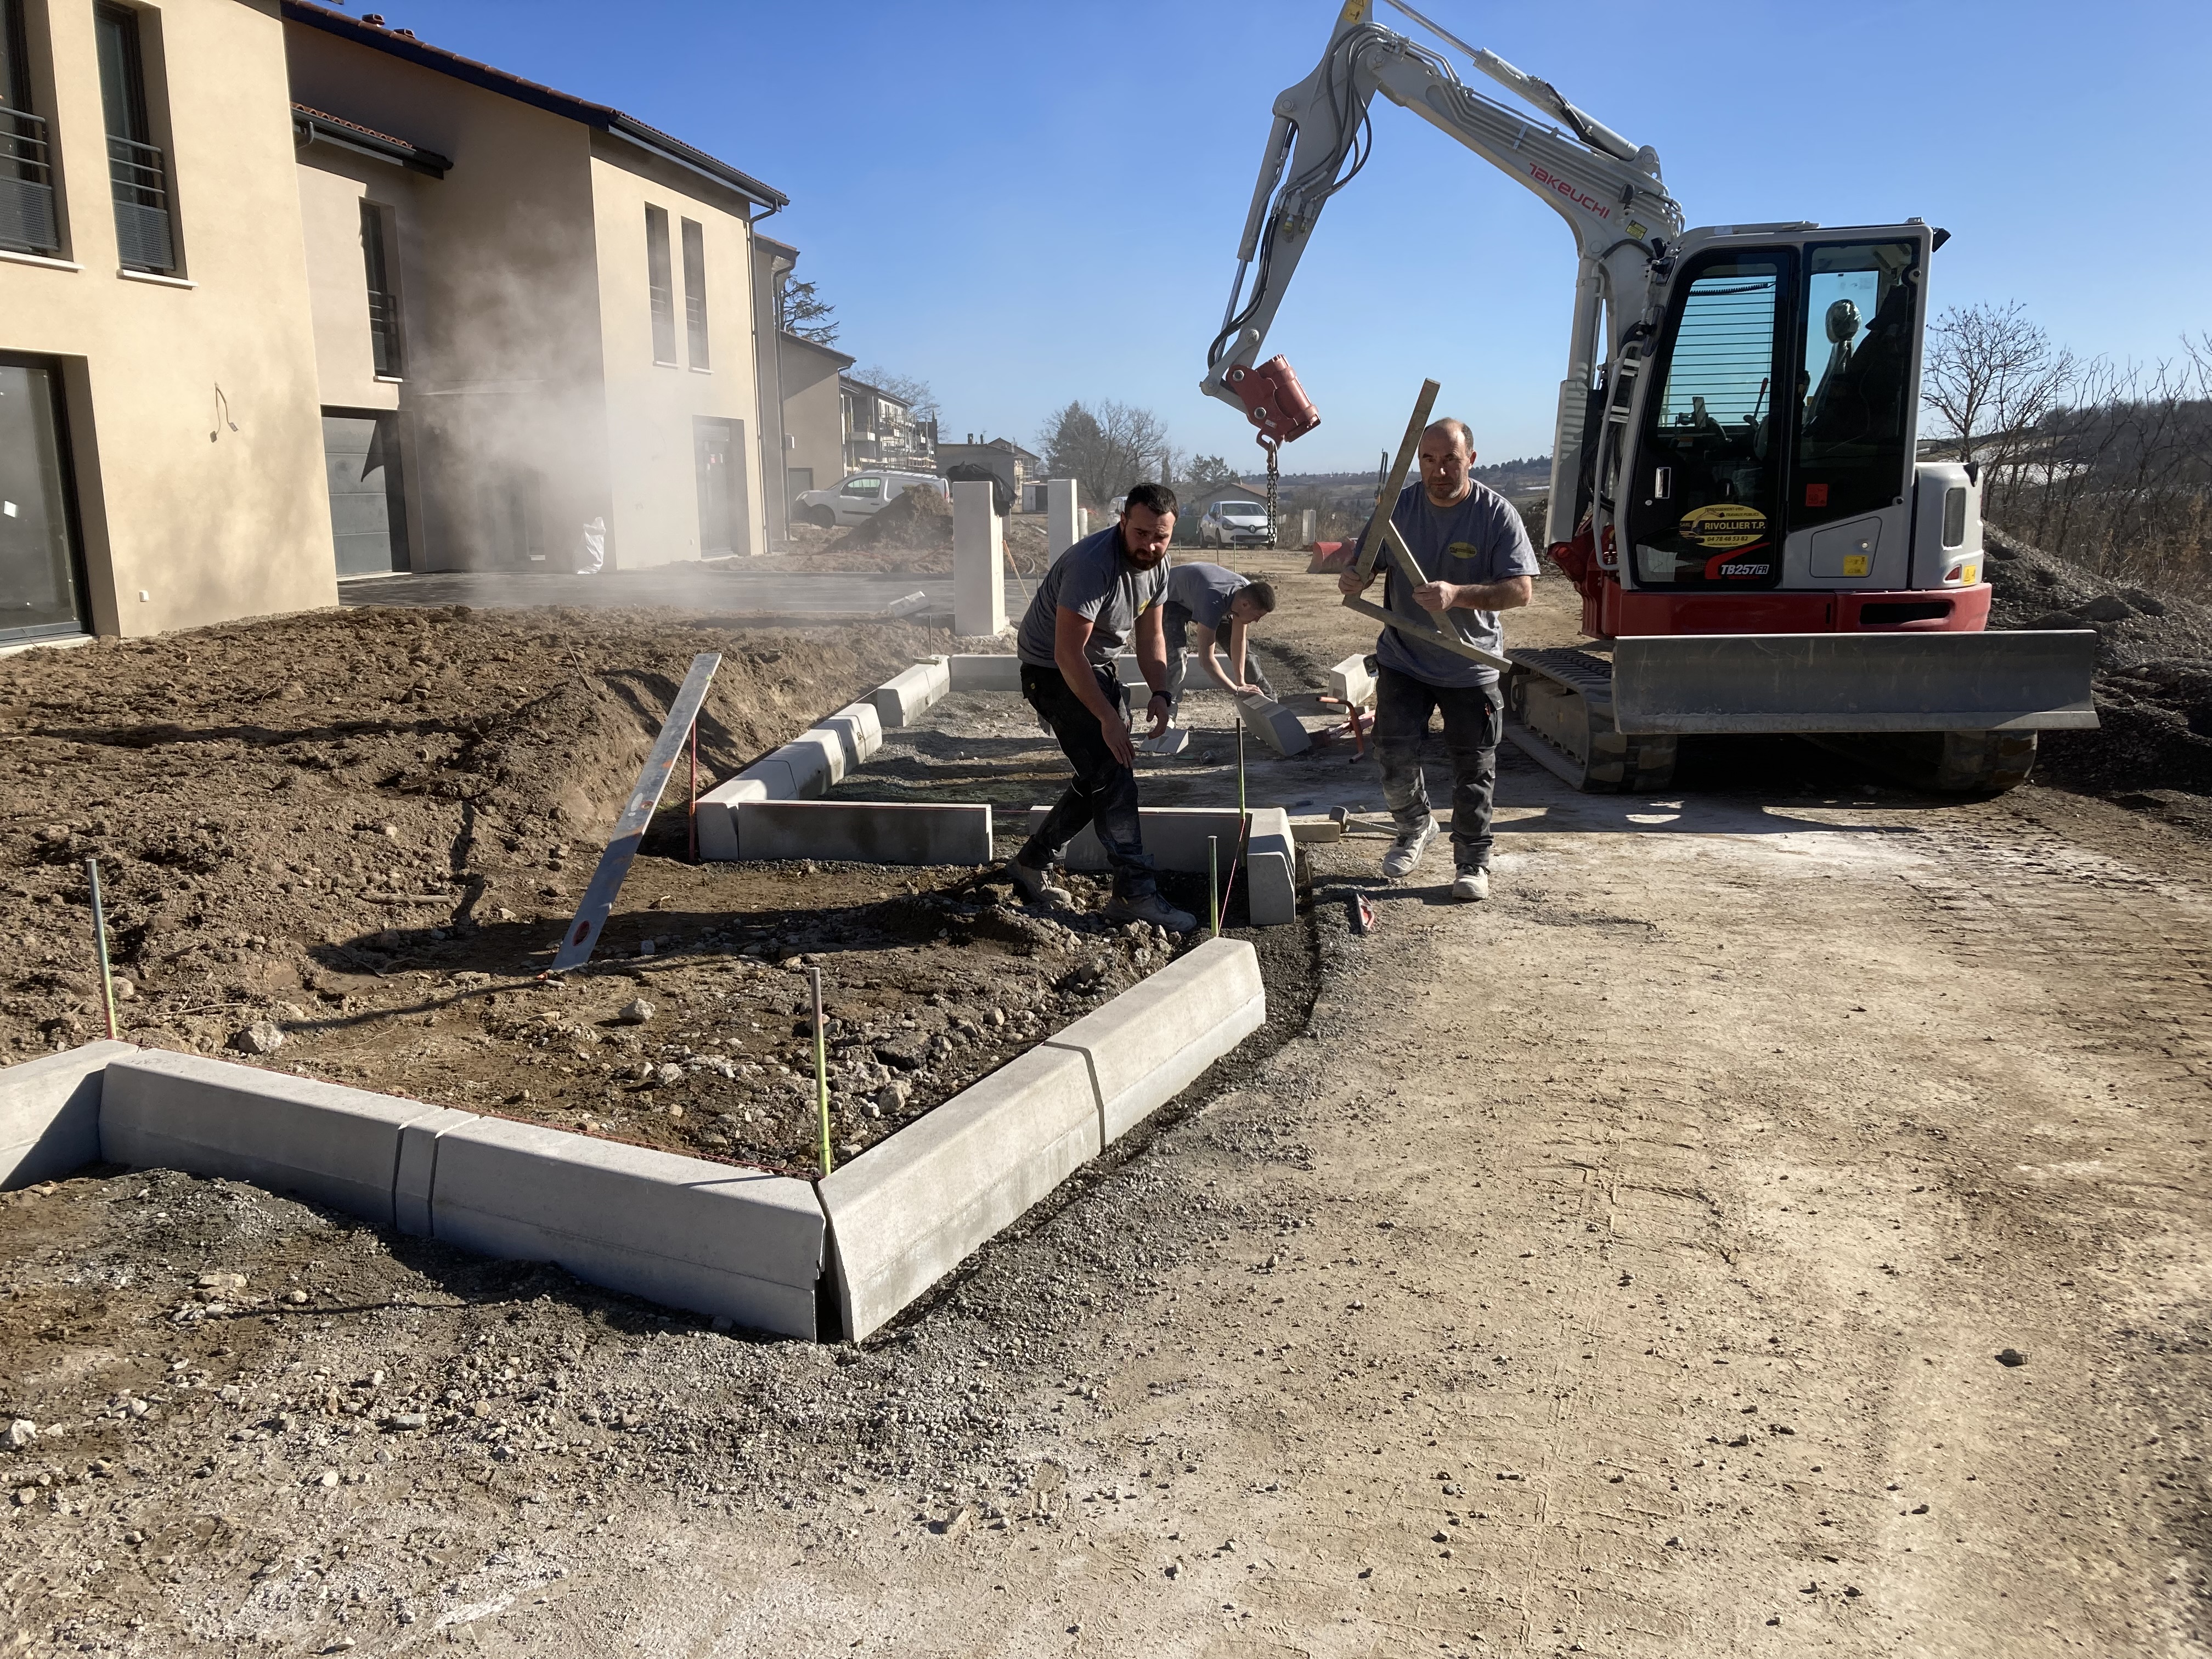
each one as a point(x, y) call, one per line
point(1703, 495)
point(1854, 410)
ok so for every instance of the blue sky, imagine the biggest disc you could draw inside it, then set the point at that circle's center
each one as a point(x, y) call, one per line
point(1024, 204)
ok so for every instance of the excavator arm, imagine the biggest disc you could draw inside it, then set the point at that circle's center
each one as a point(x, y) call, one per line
point(1608, 189)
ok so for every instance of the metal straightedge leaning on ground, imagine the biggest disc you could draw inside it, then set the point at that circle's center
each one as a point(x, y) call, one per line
point(760, 1249)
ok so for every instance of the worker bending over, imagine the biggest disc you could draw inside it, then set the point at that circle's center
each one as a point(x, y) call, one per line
point(1473, 548)
point(1200, 599)
point(1094, 596)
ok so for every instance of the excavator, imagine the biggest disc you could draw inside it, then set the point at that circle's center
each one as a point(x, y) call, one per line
point(1736, 490)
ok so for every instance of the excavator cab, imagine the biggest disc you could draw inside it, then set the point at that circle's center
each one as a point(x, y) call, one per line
point(1772, 445)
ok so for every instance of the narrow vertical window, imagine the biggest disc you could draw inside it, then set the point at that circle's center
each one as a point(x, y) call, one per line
point(660, 285)
point(694, 292)
point(383, 301)
point(137, 172)
point(28, 222)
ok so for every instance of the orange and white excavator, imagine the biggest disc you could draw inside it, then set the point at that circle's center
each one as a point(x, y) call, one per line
point(1736, 485)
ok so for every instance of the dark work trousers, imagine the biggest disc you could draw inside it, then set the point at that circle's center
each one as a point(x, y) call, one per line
point(1474, 718)
point(1104, 793)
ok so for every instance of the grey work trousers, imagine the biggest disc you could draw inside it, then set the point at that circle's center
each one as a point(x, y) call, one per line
point(1475, 719)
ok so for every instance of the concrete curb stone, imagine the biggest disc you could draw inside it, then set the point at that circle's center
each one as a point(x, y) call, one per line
point(336, 1145)
point(720, 1240)
point(864, 832)
point(1150, 1042)
point(910, 1209)
point(50, 1112)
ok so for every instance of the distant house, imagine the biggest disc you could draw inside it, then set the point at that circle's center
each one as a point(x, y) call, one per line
point(813, 414)
point(882, 430)
point(1015, 466)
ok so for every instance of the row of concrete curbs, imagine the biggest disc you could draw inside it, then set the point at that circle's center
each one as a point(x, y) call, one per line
point(768, 810)
point(767, 1251)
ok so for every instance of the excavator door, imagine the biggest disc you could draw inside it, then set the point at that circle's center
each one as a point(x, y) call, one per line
point(1771, 444)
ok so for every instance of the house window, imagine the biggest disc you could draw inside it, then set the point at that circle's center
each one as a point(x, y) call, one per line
point(138, 171)
point(660, 284)
point(28, 222)
point(694, 292)
point(383, 302)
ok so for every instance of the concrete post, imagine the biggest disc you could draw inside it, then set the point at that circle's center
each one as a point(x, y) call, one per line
point(1308, 521)
point(1082, 522)
point(1060, 532)
point(979, 562)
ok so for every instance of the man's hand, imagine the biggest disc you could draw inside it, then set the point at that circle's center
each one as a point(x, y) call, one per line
point(1352, 582)
point(1158, 709)
point(1116, 730)
point(1436, 596)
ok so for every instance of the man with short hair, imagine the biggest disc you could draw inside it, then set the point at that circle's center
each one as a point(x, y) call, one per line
point(1098, 594)
point(1202, 597)
point(1474, 552)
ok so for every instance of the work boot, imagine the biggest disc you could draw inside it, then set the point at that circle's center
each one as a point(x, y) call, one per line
point(1472, 882)
point(1406, 852)
point(1152, 909)
point(1036, 885)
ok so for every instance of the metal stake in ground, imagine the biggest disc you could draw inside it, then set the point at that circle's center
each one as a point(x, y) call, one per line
point(100, 940)
point(821, 1066)
point(1214, 881)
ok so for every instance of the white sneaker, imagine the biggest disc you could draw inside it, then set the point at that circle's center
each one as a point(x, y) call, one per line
point(1471, 884)
point(1406, 852)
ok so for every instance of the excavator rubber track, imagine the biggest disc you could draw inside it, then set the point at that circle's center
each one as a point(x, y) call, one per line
point(1558, 712)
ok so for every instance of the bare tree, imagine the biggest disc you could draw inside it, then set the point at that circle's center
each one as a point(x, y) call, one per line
point(1106, 450)
point(910, 390)
point(1991, 376)
point(806, 314)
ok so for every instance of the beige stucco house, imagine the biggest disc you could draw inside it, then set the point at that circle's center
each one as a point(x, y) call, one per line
point(534, 312)
point(286, 296)
point(814, 413)
point(159, 449)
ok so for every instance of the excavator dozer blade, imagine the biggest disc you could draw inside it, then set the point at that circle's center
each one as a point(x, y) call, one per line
point(2019, 682)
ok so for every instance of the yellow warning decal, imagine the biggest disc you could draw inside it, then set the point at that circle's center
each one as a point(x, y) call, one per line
point(1855, 564)
point(1723, 525)
point(1969, 575)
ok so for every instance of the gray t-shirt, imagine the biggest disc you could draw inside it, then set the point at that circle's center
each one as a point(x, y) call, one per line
point(1202, 593)
point(1481, 540)
point(1095, 580)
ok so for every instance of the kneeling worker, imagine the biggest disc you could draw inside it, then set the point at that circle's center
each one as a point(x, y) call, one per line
point(1094, 596)
point(1200, 599)
point(1475, 561)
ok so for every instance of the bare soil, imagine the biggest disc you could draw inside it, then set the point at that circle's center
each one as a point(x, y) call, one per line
point(813, 548)
point(1773, 1224)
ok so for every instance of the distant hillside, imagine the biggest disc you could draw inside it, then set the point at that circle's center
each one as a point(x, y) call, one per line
point(1531, 475)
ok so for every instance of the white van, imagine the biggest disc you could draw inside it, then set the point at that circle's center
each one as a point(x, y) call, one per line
point(861, 496)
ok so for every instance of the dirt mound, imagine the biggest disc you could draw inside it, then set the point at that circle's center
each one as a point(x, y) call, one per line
point(261, 793)
point(917, 519)
point(2154, 672)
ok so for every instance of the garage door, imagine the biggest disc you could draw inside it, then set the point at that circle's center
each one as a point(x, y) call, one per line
point(368, 519)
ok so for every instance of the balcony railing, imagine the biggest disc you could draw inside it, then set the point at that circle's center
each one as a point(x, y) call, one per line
point(140, 180)
point(384, 331)
point(28, 224)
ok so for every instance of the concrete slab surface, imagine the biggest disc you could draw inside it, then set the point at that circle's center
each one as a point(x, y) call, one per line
point(864, 832)
point(910, 1209)
point(709, 590)
point(985, 672)
point(336, 1145)
point(1153, 1040)
point(49, 1113)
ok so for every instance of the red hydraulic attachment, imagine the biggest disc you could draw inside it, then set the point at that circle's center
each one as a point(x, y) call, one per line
point(1274, 400)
